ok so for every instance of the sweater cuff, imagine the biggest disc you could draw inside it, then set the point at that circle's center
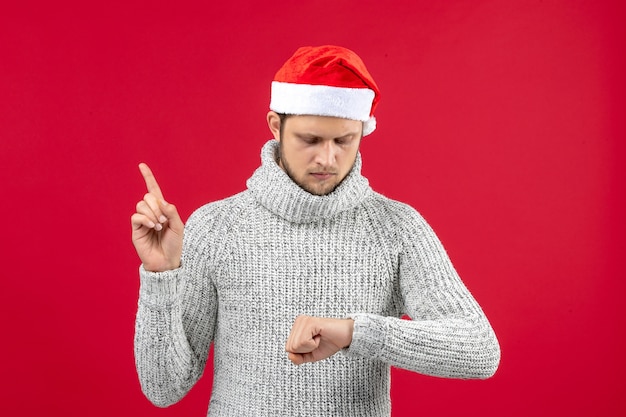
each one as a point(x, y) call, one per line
point(368, 337)
point(159, 289)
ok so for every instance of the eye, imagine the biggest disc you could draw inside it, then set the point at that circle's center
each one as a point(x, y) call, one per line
point(343, 141)
point(310, 140)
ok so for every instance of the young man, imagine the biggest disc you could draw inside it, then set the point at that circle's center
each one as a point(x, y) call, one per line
point(309, 266)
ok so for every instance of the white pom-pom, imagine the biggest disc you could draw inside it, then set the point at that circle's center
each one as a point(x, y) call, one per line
point(369, 126)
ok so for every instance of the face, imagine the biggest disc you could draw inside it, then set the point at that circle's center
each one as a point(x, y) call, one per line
point(317, 152)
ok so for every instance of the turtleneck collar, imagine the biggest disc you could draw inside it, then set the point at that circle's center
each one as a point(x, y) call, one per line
point(274, 190)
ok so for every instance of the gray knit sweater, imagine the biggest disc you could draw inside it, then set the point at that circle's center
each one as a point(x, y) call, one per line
point(255, 261)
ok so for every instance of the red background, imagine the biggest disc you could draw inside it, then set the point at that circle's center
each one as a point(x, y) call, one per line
point(500, 121)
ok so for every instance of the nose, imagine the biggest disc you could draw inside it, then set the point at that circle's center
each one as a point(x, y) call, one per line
point(326, 154)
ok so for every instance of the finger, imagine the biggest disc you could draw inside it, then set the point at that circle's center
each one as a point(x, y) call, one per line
point(303, 344)
point(299, 358)
point(139, 220)
point(294, 335)
point(146, 210)
point(155, 206)
point(304, 336)
point(151, 182)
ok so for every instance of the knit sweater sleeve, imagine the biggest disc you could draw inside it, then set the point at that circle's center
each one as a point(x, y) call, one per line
point(176, 316)
point(448, 334)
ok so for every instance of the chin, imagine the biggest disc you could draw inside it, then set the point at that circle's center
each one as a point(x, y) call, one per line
point(322, 191)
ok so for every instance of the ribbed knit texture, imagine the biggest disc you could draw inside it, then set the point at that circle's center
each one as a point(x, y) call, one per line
point(255, 261)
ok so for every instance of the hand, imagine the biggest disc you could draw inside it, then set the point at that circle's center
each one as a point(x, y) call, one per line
point(157, 230)
point(314, 338)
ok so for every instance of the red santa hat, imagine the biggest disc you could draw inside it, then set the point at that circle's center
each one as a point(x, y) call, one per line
point(326, 81)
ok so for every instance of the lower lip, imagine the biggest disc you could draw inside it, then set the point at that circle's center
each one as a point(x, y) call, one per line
point(322, 176)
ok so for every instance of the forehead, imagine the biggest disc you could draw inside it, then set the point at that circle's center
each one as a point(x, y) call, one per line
point(323, 126)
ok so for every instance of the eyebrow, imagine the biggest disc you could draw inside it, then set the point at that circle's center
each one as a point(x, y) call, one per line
point(306, 135)
point(314, 136)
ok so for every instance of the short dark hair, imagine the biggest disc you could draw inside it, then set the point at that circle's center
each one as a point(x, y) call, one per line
point(283, 117)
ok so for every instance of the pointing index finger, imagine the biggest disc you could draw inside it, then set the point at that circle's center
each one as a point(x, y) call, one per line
point(151, 182)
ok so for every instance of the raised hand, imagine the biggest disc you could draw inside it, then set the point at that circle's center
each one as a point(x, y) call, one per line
point(157, 230)
point(315, 338)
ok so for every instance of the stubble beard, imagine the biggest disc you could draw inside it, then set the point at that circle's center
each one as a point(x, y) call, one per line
point(282, 161)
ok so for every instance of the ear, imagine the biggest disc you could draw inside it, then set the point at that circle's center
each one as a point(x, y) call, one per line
point(273, 122)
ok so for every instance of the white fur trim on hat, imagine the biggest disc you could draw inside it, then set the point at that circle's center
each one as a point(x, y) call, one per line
point(322, 100)
point(369, 126)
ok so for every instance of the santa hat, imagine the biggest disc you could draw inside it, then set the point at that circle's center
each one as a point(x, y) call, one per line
point(326, 81)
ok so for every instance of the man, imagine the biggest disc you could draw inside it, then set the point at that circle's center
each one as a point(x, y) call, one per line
point(308, 266)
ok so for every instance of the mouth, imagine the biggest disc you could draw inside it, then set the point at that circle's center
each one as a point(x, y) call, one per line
point(322, 176)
